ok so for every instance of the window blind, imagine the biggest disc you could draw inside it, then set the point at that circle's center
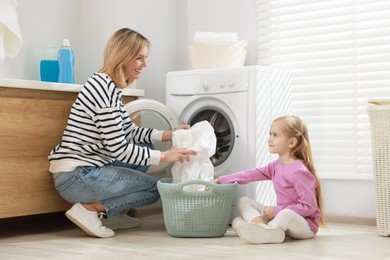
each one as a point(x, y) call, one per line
point(338, 53)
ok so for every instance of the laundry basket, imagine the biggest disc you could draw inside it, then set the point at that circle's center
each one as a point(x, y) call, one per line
point(214, 55)
point(379, 114)
point(196, 213)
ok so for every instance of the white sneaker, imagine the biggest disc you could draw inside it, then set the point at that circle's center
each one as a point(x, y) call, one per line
point(121, 221)
point(88, 221)
point(236, 223)
point(260, 233)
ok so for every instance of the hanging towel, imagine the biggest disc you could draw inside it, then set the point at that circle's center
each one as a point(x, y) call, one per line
point(200, 138)
point(10, 36)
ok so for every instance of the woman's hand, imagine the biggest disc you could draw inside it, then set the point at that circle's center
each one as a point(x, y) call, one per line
point(182, 126)
point(167, 135)
point(176, 155)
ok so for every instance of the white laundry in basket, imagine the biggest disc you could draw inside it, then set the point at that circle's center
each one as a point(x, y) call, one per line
point(200, 138)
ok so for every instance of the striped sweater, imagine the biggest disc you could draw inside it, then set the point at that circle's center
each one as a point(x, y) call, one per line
point(99, 131)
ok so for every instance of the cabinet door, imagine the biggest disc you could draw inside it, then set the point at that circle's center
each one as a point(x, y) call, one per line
point(31, 124)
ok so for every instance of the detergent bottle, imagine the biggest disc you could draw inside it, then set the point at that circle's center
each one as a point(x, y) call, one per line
point(66, 63)
point(48, 66)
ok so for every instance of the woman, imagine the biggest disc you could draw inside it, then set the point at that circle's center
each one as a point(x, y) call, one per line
point(103, 155)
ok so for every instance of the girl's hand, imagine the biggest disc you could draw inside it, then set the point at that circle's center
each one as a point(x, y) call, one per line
point(216, 181)
point(176, 155)
point(268, 213)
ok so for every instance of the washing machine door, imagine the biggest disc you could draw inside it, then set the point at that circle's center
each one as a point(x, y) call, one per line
point(153, 114)
point(225, 125)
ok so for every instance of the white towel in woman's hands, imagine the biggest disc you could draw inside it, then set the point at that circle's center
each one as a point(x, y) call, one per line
point(200, 138)
point(10, 36)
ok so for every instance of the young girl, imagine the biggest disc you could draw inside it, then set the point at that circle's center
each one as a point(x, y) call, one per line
point(298, 212)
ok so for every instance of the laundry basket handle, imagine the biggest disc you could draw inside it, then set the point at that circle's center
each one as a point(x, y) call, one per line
point(201, 182)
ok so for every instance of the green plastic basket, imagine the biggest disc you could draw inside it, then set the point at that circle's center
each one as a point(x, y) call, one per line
point(196, 213)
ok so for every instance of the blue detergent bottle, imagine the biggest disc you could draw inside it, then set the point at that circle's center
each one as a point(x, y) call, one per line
point(48, 66)
point(66, 63)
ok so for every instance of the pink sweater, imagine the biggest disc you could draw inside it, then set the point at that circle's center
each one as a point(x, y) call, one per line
point(294, 185)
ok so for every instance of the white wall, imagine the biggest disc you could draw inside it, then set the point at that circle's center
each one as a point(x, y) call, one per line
point(154, 19)
point(342, 198)
point(225, 16)
point(170, 25)
point(41, 22)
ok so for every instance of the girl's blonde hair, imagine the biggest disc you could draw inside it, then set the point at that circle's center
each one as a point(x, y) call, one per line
point(123, 46)
point(296, 128)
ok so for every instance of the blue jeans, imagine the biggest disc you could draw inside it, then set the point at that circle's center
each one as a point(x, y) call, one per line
point(117, 186)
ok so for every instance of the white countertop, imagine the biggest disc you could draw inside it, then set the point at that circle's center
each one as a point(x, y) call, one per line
point(41, 85)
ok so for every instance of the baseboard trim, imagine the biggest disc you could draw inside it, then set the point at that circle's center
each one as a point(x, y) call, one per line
point(351, 220)
point(145, 211)
point(340, 219)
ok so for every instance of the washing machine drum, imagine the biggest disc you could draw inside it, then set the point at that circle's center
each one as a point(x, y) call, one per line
point(223, 130)
point(153, 114)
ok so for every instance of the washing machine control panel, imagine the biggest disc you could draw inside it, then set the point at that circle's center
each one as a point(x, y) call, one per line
point(224, 82)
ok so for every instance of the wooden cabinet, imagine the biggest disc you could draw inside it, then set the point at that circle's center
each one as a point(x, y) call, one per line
point(31, 125)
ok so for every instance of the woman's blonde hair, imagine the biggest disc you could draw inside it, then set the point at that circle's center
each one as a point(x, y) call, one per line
point(296, 128)
point(123, 46)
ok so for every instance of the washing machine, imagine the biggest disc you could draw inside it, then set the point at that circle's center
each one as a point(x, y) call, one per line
point(239, 103)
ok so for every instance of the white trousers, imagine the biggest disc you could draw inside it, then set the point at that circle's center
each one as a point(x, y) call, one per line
point(292, 223)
